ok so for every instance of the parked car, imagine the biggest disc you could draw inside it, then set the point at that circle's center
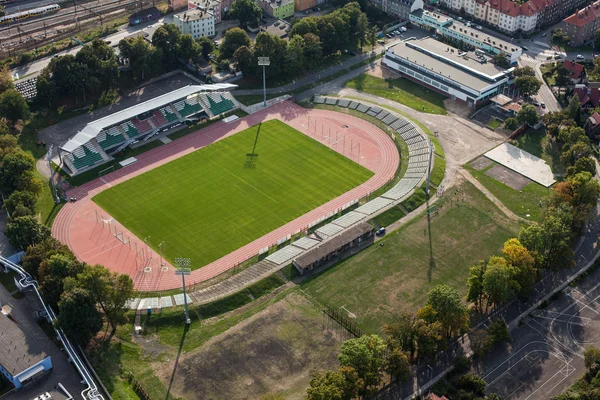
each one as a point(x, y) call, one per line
point(545, 34)
point(380, 231)
point(580, 57)
point(525, 48)
point(403, 29)
point(479, 27)
point(543, 104)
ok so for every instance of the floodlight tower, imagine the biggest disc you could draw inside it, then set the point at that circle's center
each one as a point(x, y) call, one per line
point(183, 264)
point(265, 62)
point(429, 167)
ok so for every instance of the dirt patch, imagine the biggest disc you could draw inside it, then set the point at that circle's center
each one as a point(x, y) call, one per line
point(508, 177)
point(481, 163)
point(384, 73)
point(272, 352)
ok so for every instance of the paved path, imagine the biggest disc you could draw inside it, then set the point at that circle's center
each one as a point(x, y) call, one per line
point(76, 224)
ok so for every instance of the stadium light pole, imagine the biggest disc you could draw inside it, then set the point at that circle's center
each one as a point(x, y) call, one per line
point(265, 62)
point(183, 264)
point(429, 167)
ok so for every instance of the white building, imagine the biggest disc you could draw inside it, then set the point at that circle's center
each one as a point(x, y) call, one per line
point(468, 77)
point(197, 23)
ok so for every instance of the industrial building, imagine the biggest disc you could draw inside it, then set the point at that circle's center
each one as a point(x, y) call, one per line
point(464, 76)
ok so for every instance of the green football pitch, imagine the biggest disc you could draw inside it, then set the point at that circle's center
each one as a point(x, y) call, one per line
point(213, 201)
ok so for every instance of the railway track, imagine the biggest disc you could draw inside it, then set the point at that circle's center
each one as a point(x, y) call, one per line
point(73, 15)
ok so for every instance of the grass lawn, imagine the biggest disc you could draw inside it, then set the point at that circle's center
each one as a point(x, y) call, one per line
point(536, 142)
point(390, 216)
point(380, 282)
point(549, 73)
point(494, 124)
point(402, 91)
point(526, 201)
point(209, 203)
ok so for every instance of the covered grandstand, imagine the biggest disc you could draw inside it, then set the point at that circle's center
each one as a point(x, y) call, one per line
point(93, 145)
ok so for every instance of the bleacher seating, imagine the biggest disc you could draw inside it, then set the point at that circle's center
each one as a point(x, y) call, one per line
point(142, 126)
point(110, 138)
point(85, 156)
point(130, 129)
point(168, 113)
point(159, 118)
point(219, 102)
point(188, 106)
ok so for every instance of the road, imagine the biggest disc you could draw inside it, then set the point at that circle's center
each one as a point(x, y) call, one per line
point(545, 94)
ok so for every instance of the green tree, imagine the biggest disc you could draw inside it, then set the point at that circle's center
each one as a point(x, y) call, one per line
point(6, 79)
point(167, 38)
point(480, 342)
point(141, 55)
point(563, 77)
point(313, 50)
point(471, 383)
point(207, 46)
point(584, 164)
point(397, 365)
point(519, 257)
point(248, 12)
point(23, 232)
point(559, 37)
point(528, 115)
point(499, 282)
point(403, 333)
point(450, 311)
point(272, 46)
point(20, 203)
point(46, 88)
point(475, 293)
point(189, 49)
point(511, 124)
point(305, 26)
point(524, 71)
point(343, 384)
point(246, 60)
point(498, 332)
point(52, 275)
point(101, 61)
point(366, 355)
point(110, 290)
point(296, 63)
point(591, 357)
point(13, 106)
point(16, 173)
point(573, 110)
point(429, 335)
point(527, 85)
point(36, 254)
point(233, 40)
point(78, 316)
point(501, 60)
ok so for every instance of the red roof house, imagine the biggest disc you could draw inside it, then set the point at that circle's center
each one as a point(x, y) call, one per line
point(433, 396)
point(577, 71)
point(589, 96)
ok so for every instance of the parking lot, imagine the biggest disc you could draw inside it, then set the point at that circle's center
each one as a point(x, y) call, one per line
point(546, 355)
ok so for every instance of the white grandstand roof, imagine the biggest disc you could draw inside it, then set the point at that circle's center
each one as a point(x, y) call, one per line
point(92, 129)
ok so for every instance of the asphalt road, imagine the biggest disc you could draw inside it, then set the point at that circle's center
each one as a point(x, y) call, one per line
point(545, 94)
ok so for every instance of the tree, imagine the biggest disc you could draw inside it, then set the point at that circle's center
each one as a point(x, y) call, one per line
point(471, 383)
point(248, 12)
point(366, 355)
point(563, 76)
point(584, 164)
point(13, 106)
point(52, 274)
point(23, 232)
point(233, 40)
point(343, 384)
point(475, 293)
point(591, 357)
point(313, 50)
point(36, 254)
point(101, 62)
point(573, 110)
point(450, 311)
point(511, 124)
point(524, 71)
point(246, 60)
point(527, 85)
point(110, 290)
point(528, 115)
point(141, 56)
point(559, 37)
point(16, 173)
point(189, 49)
point(397, 365)
point(78, 316)
point(272, 46)
point(20, 203)
point(498, 331)
point(6, 80)
point(403, 333)
point(480, 342)
point(295, 52)
point(575, 152)
point(207, 46)
point(305, 26)
point(429, 334)
point(167, 38)
point(501, 60)
point(46, 88)
point(499, 284)
point(519, 257)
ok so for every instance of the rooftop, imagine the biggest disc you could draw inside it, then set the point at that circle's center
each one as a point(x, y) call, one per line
point(193, 15)
point(462, 67)
point(584, 16)
point(574, 68)
point(17, 350)
point(476, 34)
point(441, 18)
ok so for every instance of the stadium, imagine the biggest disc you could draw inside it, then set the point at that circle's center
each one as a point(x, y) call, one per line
point(237, 190)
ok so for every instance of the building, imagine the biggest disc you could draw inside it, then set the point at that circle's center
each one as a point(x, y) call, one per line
point(281, 9)
point(464, 76)
point(399, 8)
point(212, 6)
point(197, 23)
point(177, 5)
point(577, 71)
point(303, 5)
point(451, 28)
point(151, 14)
point(580, 26)
point(433, 396)
point(21, 359)
point(589, 95)
point(359, 234)
point(93, 145)
point(592, 126)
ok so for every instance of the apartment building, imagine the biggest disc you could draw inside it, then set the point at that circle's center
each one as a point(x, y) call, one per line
point(195, 22)
point(212, 6)
point(582, 25)
point(399, 8)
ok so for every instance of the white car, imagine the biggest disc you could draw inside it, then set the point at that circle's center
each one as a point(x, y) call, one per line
point(580, 57)
point(468, 24)
point(403, 29)
point(479, 27)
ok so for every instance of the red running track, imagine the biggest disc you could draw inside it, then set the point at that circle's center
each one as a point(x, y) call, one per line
point(93, 241)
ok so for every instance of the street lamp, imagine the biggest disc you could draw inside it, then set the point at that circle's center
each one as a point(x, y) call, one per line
point(265, 62)
point(183, 264)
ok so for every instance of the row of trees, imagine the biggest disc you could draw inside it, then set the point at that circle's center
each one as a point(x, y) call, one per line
point(13, 106)
point(588, 387)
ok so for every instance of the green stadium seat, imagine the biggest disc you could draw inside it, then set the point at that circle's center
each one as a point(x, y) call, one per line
point(85, 156)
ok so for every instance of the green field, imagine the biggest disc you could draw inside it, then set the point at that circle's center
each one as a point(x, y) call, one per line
point(401, 90)
point(396, 274)
point(211, 202)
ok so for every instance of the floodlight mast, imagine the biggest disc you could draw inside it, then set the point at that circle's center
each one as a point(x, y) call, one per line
point(429, 167)
point(183, 264)
point(264, 61)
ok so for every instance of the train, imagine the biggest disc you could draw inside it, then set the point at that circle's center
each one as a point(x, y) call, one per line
point(34, 12)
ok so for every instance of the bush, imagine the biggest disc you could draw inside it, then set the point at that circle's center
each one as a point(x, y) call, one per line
point(511, 124)
point(471, 383)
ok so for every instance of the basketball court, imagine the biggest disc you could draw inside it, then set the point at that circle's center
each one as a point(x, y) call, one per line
point(524, 163)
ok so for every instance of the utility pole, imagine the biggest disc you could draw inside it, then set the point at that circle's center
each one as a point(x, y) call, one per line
point(429, 168)
point(183, 265)
point(264, 61)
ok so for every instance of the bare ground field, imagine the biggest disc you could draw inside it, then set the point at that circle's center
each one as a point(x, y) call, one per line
point(272, 352)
